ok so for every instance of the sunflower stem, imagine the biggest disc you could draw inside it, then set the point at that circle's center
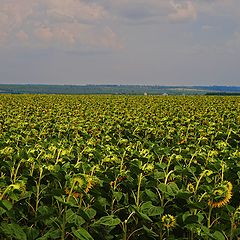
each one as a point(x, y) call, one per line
point(209, 217)
point(223, 168)
point(138, 190)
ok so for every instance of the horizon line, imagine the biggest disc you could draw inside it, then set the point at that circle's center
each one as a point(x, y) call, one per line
point(98, 84)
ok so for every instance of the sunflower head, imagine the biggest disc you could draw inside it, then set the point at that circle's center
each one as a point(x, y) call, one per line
point(220, 195)
point(168, 221)
point(90, 182)
point(73, 193)
point(78, 181)
point(190, 188)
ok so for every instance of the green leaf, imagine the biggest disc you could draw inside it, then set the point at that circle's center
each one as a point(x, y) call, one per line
point(108, 221)
point(90, 212)
point(159, 175)
point(13, 230)
point(32, 233)
point(150, 232)
point(44, 213)
point(2, 211)
point(218, 235)
point(186, 215)
point(200, 217)
point(162, 187)
point(144, 216)
point(73, 218)
point(191, 219)
point(51, 234)
point(196, 205)
point(145, 206)
point(117, 195)
point(161, 165)
point(61, 200)
point(155, 211)
point(178, 168)
point(6, 205)
point(187, 218)
point(205, 230)
point(102, 202)
point(150, 210)
point(140, 213)
point(82, 234)
point(87, 213)
point(192, 226)
point(172, 189)
point(153, 196)
point(183, 194)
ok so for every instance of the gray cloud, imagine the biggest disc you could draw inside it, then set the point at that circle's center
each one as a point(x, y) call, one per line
point(73, 22)
point(185, 11)
point(49, 22)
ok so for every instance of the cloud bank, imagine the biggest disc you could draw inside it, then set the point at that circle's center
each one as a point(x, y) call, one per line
point(70, 23)
point(55, 22)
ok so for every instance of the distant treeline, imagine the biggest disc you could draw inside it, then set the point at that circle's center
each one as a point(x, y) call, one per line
point(220, 89)
point(223, 93)
point(97, 89)
point(117, 89)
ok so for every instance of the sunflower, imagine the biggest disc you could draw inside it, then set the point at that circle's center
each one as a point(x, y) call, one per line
point(168, 221)
point(89, 186)
point(190, 188)
point(73, 193)
point(90, 183)
point(220, 195)
point(76, 184)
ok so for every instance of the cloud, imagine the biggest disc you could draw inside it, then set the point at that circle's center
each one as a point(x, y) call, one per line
point(22, 36)
point(183, 12)
point(159, 10)
point(136, 11)
point(218, 7)
point(69, 34)
point(140, 11)
point(12, 16)
point(44, 33)
point(96, 23)
point(55, 23)
point(74, 10)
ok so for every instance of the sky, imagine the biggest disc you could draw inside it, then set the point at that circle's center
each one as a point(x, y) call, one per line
point(147, 42)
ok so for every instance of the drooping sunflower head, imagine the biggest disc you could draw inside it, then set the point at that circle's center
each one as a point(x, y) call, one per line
point(220, 195)
point(168, 221)
point(190, 188)
point(91, 181)
point(78, 181)
point(90, 184)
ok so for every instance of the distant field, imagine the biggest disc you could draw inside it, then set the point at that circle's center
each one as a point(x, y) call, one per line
point(119, 167)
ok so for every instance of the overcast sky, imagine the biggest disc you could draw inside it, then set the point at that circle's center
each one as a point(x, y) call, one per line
point(162, 42)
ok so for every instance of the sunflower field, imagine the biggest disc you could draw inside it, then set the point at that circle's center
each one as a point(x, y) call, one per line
point(119, 167)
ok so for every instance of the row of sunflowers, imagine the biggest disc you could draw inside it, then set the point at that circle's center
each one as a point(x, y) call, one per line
point(119, 167)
